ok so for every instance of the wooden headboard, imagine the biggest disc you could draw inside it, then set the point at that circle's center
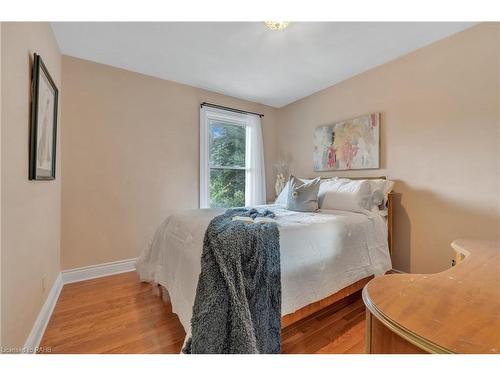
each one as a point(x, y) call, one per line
point(390, 197)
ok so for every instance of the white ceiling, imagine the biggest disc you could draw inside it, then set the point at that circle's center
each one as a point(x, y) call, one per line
point(246, 59)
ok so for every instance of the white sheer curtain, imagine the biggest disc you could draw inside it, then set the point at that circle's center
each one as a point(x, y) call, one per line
point(204, 169)
point(255, 176)
point(255, 182)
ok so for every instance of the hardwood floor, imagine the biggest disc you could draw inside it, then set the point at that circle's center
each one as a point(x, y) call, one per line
point(339, 328)
point(118, 314)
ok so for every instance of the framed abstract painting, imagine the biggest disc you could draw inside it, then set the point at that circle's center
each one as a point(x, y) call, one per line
point(43, 131)
point(349, 144)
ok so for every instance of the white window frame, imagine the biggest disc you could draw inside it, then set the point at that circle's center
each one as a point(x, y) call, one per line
point(234, 118)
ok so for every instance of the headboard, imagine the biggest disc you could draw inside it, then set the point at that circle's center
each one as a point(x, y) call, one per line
point(389, 205)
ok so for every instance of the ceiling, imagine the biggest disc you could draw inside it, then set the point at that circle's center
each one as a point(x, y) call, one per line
point(246, 59)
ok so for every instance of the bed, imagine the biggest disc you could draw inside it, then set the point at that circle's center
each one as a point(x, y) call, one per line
point(325, 256)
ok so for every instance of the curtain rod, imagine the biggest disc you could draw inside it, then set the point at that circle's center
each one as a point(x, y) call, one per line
point(230, 109)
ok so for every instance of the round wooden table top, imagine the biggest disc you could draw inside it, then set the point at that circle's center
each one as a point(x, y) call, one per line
point(454, 311)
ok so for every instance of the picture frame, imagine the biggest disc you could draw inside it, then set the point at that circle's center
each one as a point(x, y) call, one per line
point(43, 126)
point(352, 144)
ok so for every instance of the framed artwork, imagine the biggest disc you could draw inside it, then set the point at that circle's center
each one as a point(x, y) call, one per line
point(43, 131)
point(349, 144)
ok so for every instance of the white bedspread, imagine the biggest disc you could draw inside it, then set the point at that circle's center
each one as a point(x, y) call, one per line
point(321, 253)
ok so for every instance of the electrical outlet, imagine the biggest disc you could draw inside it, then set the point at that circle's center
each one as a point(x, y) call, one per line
point(453, 262)
point(44, 282)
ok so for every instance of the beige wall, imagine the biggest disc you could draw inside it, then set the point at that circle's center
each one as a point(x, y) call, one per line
point(440, 140)
point(31, 211)
point(130, 155)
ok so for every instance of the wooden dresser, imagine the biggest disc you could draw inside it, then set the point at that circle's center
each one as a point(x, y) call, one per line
point(454, 311)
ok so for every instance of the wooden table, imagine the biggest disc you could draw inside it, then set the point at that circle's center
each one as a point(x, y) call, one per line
point(454, 311)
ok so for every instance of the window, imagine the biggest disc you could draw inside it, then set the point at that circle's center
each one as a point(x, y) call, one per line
point(231, 159)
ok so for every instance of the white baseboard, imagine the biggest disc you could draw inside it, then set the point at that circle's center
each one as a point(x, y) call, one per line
point(43, 317)
point(68, 277)
point(394, 270)
point(99, 270)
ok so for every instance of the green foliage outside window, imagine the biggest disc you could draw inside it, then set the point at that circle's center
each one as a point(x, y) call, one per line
point(227, 163)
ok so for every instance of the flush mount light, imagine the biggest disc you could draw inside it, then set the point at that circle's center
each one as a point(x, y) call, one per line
point(276, 25)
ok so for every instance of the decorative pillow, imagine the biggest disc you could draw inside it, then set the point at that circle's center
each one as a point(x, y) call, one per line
point(283, 196)
point(302, 195)
point(346, 195)
point(380, 189)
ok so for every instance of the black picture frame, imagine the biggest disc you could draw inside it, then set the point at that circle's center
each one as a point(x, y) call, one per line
point(43, 127)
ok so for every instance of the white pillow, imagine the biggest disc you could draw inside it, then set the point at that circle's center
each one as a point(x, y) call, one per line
point(380, 190)
point(282, 198)
point(346, 195)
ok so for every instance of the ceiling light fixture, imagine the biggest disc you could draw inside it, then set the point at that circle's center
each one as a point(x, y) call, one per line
point(276, 25)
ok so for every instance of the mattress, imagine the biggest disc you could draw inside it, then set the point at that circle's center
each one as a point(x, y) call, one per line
point(321, 253)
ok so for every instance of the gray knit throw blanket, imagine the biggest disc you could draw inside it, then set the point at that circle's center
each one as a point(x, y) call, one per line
point(237, 307)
